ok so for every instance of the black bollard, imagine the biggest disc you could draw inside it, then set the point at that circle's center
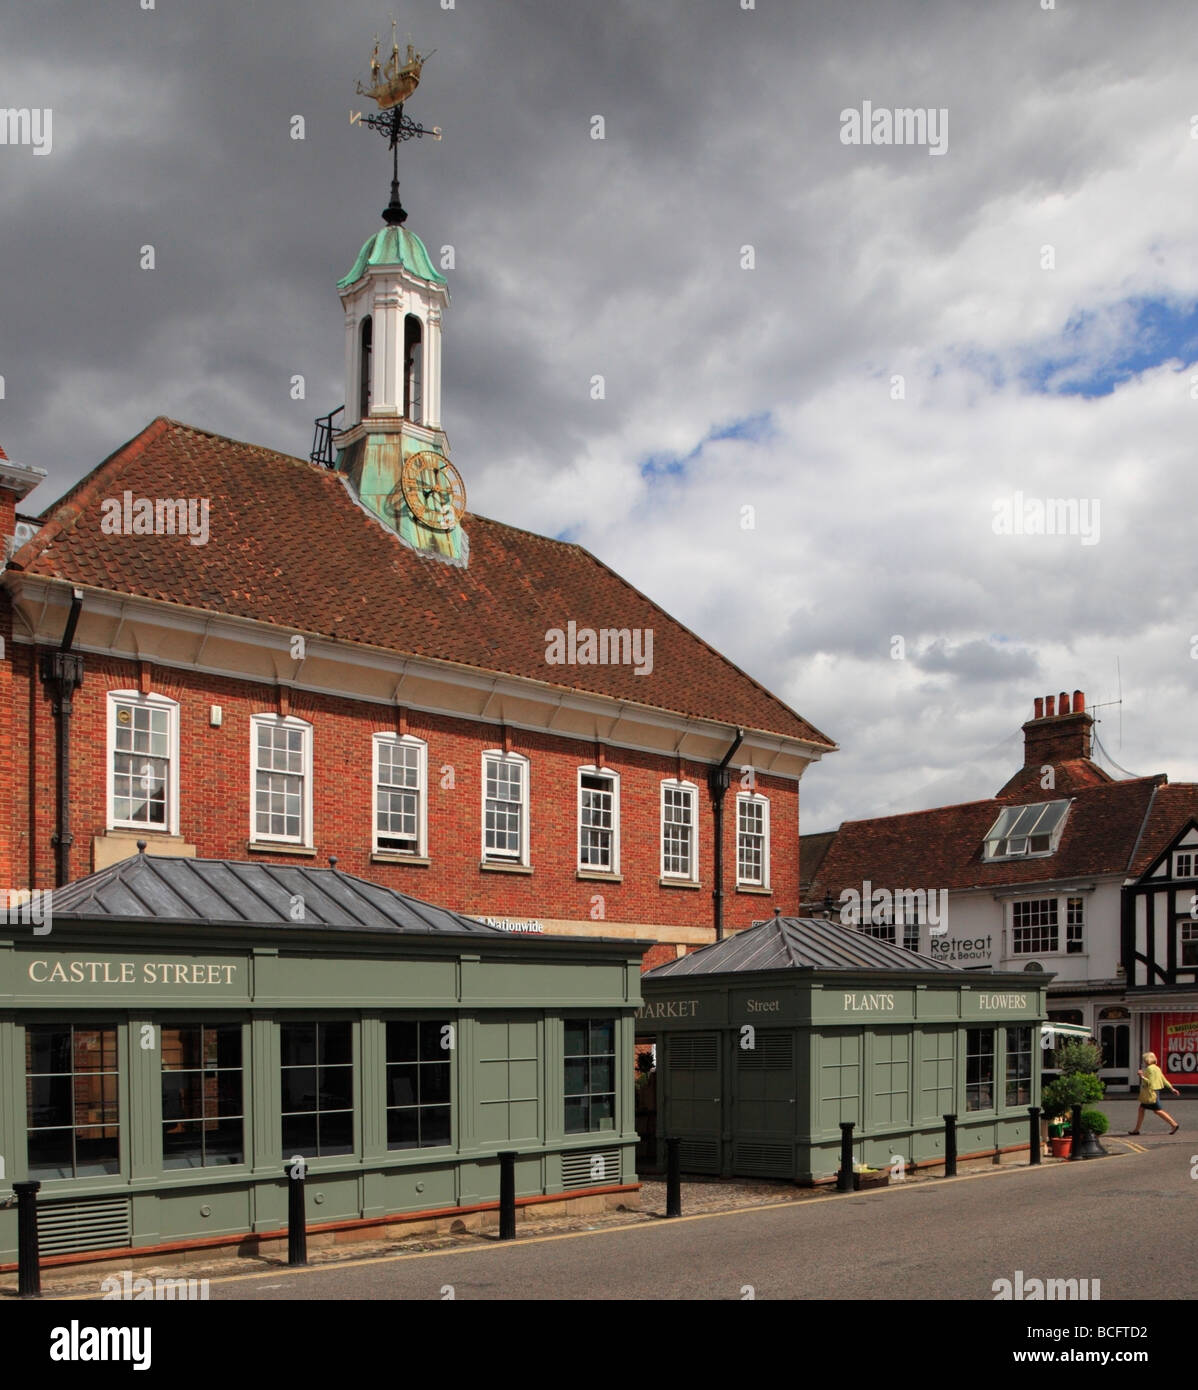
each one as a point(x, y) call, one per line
point(844, 1179)
point(507, 1196)
point(297, 1227)
point(673, 1177)
point(950, 1146)
point(29, 1270)
point(1034, 1149)
point(1075, 1129)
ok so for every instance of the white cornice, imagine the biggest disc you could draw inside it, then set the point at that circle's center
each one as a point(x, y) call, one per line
point(183, 638)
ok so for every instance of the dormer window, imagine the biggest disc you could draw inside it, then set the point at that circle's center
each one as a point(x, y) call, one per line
point(1026, 831)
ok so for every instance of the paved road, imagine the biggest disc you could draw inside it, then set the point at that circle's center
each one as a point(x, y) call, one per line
point(1131, 1222)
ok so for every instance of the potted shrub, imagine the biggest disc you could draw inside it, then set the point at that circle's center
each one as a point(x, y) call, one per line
point(1077, 1084)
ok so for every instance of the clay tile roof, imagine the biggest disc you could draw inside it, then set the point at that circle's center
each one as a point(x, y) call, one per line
point(1173, 807)
point(289, 546)
point(942, 848)
point(3, 455)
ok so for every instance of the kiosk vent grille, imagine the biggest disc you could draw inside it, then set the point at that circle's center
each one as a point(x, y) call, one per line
point(63, 1228)
point(591, 1168)
point(764, 1160)
point(772, 1050)
point(699, 1155)
point(694, 1051)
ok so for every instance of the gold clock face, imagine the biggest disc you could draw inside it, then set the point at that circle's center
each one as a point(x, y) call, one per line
point(433, 489)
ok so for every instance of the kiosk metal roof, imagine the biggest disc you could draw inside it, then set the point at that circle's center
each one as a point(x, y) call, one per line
point(146, 888)
point(799, 943)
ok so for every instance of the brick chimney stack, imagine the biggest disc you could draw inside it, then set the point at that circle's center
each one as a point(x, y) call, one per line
point(1059, 730)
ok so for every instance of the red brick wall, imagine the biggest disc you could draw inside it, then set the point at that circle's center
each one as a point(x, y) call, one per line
point(215, 802)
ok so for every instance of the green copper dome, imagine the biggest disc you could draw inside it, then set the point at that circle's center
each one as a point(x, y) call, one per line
point(394, 246)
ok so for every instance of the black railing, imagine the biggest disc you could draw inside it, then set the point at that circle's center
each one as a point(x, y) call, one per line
point(322, 439)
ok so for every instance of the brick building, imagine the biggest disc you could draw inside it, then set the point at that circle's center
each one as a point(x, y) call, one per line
point(232, 653)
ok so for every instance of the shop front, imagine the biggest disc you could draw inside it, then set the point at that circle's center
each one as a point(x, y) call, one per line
point(186, 1029)
point(766, 1043)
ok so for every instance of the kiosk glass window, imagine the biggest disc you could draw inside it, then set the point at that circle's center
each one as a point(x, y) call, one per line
point(1019, 1066)
point(979, 1069)
point(318, 1089)
point(418, 1058)
point(590, 1074)
point(71, 1091)
point(202, 1110)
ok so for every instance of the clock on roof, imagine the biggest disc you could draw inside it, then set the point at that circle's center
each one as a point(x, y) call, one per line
point(433, 489)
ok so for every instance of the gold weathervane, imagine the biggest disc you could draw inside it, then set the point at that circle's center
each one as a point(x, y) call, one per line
point(393, 84)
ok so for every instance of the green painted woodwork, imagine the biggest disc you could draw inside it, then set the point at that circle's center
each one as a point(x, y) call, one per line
point(394, 246)
point(507, 998)
point(757, 1080)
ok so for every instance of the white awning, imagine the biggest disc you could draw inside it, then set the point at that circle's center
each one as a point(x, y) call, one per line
point(1064, 1030)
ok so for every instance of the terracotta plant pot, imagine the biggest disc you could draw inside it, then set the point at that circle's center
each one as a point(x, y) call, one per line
point(1062, 1146)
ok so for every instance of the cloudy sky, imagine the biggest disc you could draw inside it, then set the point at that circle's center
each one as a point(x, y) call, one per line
point(832, 371)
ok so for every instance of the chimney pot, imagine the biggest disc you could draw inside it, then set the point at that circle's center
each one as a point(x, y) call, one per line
point(1039, 707)
point(1079, 702)
point(1063, 702)
point(1050, 706)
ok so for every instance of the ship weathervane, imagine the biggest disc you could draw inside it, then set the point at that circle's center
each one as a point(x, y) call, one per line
point(391, 85)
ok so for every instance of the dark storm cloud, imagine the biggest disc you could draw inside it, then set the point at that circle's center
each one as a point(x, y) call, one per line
point(622, 257)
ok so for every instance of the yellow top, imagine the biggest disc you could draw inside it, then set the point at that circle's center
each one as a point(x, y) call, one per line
point(1152, 1079)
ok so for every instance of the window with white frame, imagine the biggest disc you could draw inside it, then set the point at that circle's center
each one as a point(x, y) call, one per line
point(281, 771)
point(598, 820)
point(143, 761)
point(505, 808)
point(1075, 926)
point(1034, 928)
point(400, 794)
point(679, 845)
point(1189, 942)
point(753, 841)
point(1183, 864)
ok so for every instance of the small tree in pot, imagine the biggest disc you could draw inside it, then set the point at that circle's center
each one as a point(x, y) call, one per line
point(1078, 1084)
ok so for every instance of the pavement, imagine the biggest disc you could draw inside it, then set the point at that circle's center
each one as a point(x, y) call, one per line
point(1109, 1220)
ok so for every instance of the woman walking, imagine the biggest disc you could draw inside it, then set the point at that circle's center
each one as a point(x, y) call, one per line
point(1152, 1082)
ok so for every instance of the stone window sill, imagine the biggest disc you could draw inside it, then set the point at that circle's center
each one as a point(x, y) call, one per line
point(271, 847)
point(598, 876)
point(678, 883)
point(489, 866)
point(382, 856)
point(753, 888)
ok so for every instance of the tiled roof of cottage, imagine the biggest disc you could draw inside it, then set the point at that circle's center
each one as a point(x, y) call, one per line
point(942, 847)
point(289, 546)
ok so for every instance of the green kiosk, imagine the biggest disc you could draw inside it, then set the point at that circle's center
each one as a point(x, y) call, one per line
point(175, 1033)
point(767, 1042)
